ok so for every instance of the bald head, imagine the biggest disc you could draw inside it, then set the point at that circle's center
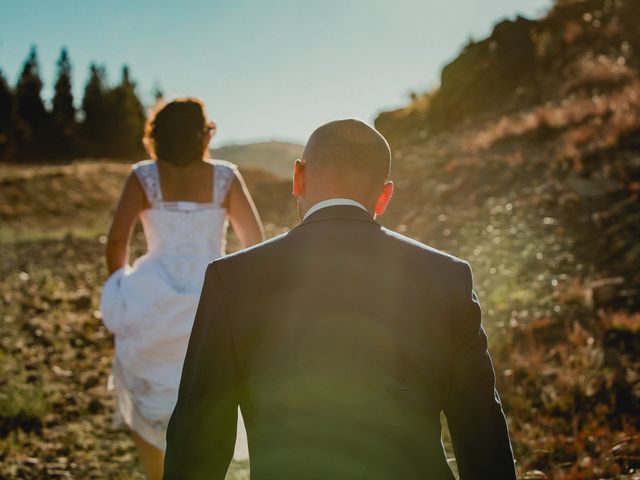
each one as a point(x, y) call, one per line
point(349, 149)
point(344, 159)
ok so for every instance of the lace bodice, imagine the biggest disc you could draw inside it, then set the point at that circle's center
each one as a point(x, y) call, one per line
point(185, 236)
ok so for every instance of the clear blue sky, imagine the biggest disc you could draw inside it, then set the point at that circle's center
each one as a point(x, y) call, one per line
point(266, 68)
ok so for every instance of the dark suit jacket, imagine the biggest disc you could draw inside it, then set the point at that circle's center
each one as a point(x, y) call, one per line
point(341, 341)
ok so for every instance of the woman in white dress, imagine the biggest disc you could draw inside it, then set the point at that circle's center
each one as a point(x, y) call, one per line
point(185, 203)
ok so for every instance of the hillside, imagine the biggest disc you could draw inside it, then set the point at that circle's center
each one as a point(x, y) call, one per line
point(567, 151)
point(526, 162)
point(273, 157)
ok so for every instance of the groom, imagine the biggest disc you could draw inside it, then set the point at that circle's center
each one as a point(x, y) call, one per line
point(341, 341)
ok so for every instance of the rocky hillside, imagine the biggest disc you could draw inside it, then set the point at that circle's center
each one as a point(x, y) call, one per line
point(526, 162)
point(582, 47)
point(546, 112)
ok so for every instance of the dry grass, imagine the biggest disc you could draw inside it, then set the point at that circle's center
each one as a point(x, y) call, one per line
point(580, 123)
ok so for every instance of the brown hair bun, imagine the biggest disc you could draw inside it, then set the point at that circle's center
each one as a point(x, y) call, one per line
point(175, 132)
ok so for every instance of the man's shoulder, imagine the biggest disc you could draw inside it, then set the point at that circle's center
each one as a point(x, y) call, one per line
point(275, 251)
point(249, 256)
point(422, 249)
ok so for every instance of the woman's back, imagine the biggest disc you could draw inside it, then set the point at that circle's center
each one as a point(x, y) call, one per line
point(193, 183)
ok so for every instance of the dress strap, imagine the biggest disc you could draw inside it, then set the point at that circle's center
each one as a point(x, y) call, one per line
point(147, 173)
point(224, 174)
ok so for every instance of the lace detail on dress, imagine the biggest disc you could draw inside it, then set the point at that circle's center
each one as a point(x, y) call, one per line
point(180, 234)
point(147, 173)
point(225, 172)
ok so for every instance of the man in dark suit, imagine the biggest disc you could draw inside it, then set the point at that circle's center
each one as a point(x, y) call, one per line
point(341, 341)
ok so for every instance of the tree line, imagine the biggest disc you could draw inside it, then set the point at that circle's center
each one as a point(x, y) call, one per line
point(108, 123)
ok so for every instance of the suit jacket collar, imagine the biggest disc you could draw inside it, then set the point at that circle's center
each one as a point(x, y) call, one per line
point(339, 212)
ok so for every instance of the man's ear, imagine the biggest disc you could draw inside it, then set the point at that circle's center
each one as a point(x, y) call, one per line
point(298, 178)
point(384, 198)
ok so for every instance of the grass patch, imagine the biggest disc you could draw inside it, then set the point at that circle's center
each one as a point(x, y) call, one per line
point(22, 405)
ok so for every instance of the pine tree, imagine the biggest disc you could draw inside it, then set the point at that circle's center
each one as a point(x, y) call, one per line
point(63, 113)
point(6, 118)
point(95, 112)
point(127, 118)
point(32, 116)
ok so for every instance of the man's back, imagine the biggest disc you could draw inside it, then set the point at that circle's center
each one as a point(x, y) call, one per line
point(341, 342)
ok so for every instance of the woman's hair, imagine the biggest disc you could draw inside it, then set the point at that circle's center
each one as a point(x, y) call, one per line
point(175, 132)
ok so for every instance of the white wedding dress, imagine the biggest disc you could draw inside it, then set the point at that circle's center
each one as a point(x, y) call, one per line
point(150, 307)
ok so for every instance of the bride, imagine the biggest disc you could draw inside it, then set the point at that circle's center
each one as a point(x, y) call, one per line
point(185, 203)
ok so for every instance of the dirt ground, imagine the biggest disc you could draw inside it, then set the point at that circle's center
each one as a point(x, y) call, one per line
point(565, 348)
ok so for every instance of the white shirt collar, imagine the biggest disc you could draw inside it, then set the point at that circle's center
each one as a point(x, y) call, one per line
point(332, 202)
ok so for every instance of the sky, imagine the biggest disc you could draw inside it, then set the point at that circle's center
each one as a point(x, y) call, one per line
point(267, 69)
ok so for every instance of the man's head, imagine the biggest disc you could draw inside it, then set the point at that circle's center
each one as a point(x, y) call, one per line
point(344, 159)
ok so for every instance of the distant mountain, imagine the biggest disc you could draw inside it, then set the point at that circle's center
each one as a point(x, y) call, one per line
point(274, 157)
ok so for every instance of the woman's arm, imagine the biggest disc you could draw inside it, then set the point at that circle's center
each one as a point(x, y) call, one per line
point(243, 214)
point(131, 203)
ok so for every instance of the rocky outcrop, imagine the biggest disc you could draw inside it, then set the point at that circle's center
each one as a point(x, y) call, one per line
point(486, 73)
point(579, 46)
